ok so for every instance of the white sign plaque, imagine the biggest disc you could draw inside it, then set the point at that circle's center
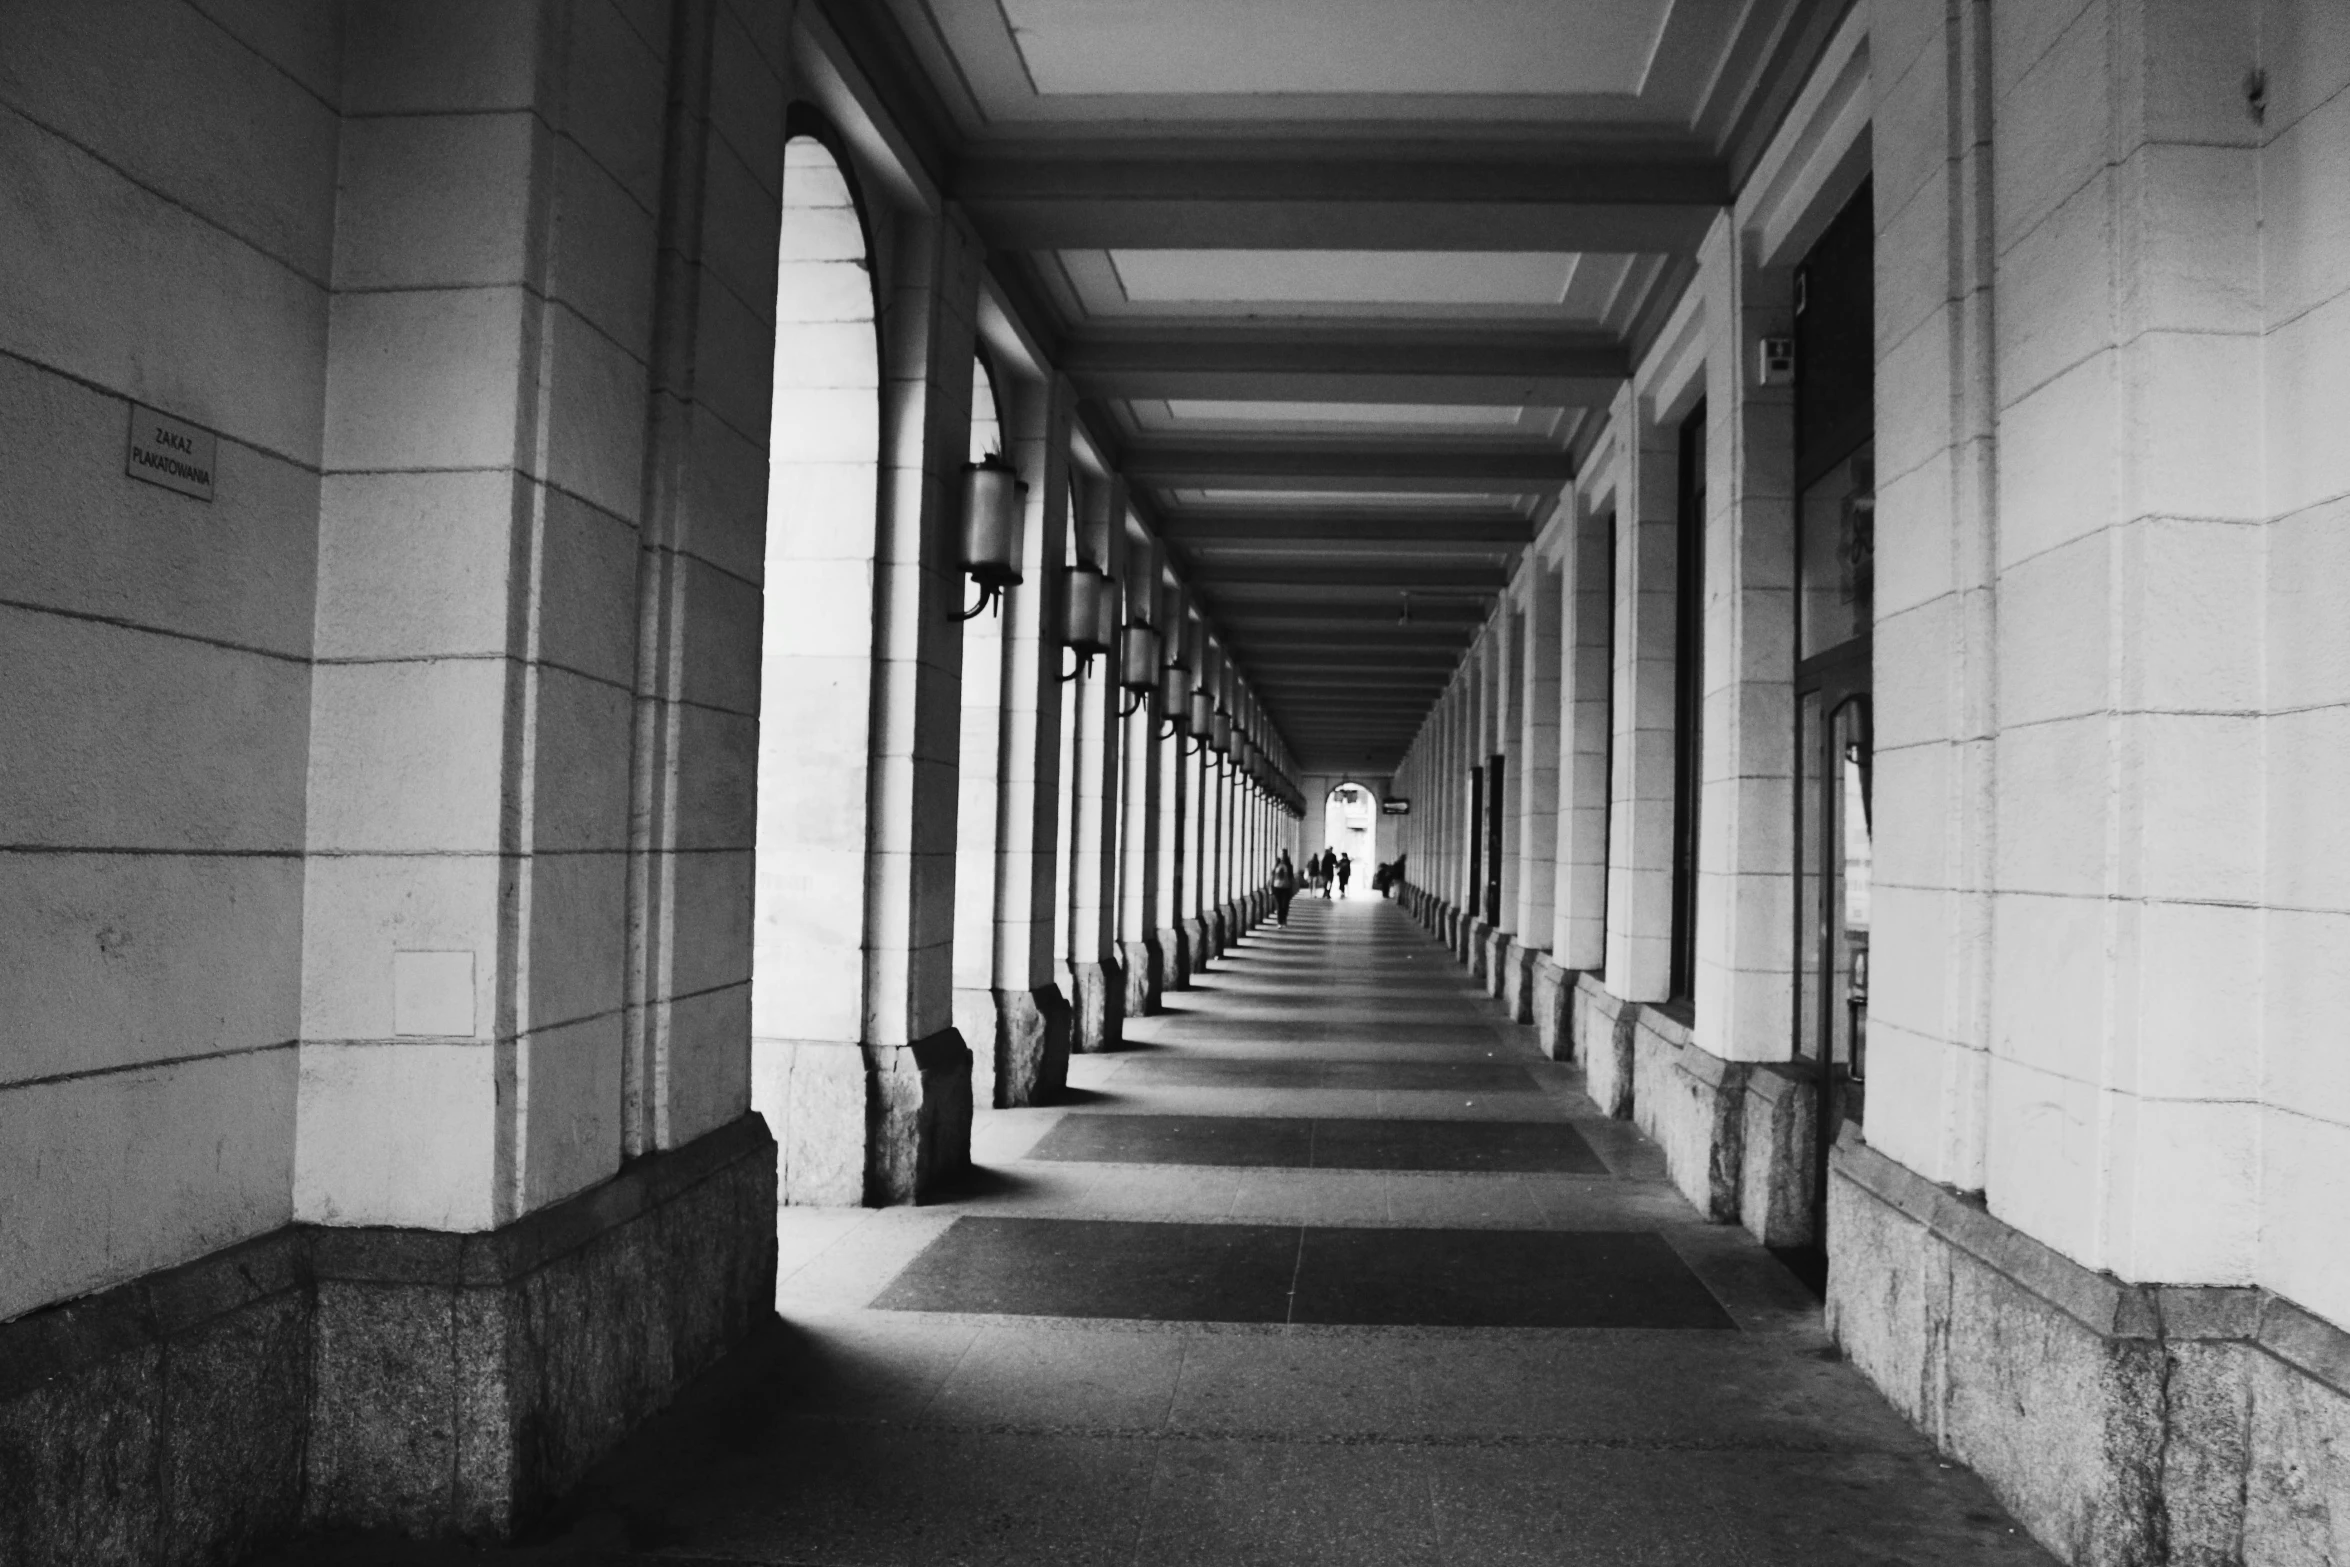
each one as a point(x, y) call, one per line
point(170, 452)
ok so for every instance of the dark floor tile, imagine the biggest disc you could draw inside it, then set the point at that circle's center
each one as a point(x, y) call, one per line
point(1289, 1142)
point(1102, 1268)
point(1487, 1147)
point(1467, 1077)
point(1499, 1279)
point(1262, 1141)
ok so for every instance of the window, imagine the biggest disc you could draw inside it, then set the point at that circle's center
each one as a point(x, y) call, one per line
point(1688, 702)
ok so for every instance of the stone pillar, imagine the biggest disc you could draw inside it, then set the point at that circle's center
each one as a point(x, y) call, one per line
point(1640, 828)
point(1477, 868)
point(1578, 924)
point(1030, 1048)
point(521, 910)
point(1065, 820)
point(1100, 999)
point(1444, 795)
point(464, 913)
point(918, 1069)
point(856, 1059)
point(1505, 741)
point(1215, 885)
point(1745, 908)
point(1199, 779)
point(1537, 783)
point(978, 792)
point(1138, 886)
point(1175, 844)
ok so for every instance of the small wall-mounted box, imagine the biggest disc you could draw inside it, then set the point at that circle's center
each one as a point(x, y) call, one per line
point(1774, 362)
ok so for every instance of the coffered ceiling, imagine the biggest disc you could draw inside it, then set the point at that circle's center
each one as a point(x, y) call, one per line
point(1342, 283)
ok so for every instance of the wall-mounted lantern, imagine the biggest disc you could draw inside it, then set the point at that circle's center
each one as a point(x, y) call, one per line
point(1200, 721)
point(1175, 687)
point(994, 505)
point(1138, 664)
point(1089, 604)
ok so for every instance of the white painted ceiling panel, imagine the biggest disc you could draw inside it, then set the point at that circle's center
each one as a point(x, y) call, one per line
point(1344, 277)
point(1205, 411)
point(1386, 498)
point(1467, 47)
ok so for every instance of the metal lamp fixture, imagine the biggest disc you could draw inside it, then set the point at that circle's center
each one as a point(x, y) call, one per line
point(1105, 614)
point(1175, 686)
point(993, 506)
point(1138, 664)
point(1203, 719)
point(1089, 614)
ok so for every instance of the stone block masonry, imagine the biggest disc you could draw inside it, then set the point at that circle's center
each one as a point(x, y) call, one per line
point(435, 1383)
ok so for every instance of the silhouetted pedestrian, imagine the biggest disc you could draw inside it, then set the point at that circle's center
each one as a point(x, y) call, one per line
point(1284, 887)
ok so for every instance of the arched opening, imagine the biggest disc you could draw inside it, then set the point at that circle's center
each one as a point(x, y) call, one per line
point(815, 702)
point(1350, 827)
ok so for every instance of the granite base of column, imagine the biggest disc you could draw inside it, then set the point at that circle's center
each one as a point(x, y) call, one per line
point(2120, 1423)
point(1554, 991)
point(1780, 1158)
point(1203, 943)
point(871, 1124)
point(1499, 944)
point(1145, 976)
point(1602, 1024)
point(1517, 989)
point(425, 1382)
point(1692, 1104)
point(1098, 1022)
point(1030, 1063)
point(1477, 948)
point(1175, 952)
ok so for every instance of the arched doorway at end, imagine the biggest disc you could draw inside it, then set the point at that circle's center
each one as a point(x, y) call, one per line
point(1350, 826)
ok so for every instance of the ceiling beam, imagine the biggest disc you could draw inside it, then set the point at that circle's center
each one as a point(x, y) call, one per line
point(1432, 618)
point(1395, 577)
point(1350, 364)
point(1415, 660)
point(1273, 681)
point(1458, 466)
point(1346, 527)
point(1206, 195)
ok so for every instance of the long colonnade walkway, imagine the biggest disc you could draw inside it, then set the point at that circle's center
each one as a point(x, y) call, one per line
point(1330, 1265)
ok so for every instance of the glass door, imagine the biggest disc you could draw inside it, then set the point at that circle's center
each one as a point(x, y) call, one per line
point(1835, 619)
point(1834, 864)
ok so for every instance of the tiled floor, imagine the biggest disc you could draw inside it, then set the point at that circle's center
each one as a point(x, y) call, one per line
point(1331, 1266)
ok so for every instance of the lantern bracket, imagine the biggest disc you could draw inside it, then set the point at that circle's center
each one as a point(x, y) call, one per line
point(991, 596)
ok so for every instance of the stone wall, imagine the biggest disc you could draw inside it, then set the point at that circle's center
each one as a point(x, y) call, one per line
point(170, 208)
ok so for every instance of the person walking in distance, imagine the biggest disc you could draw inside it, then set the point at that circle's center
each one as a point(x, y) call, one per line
point(1346, 868)
point(1284, 887)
